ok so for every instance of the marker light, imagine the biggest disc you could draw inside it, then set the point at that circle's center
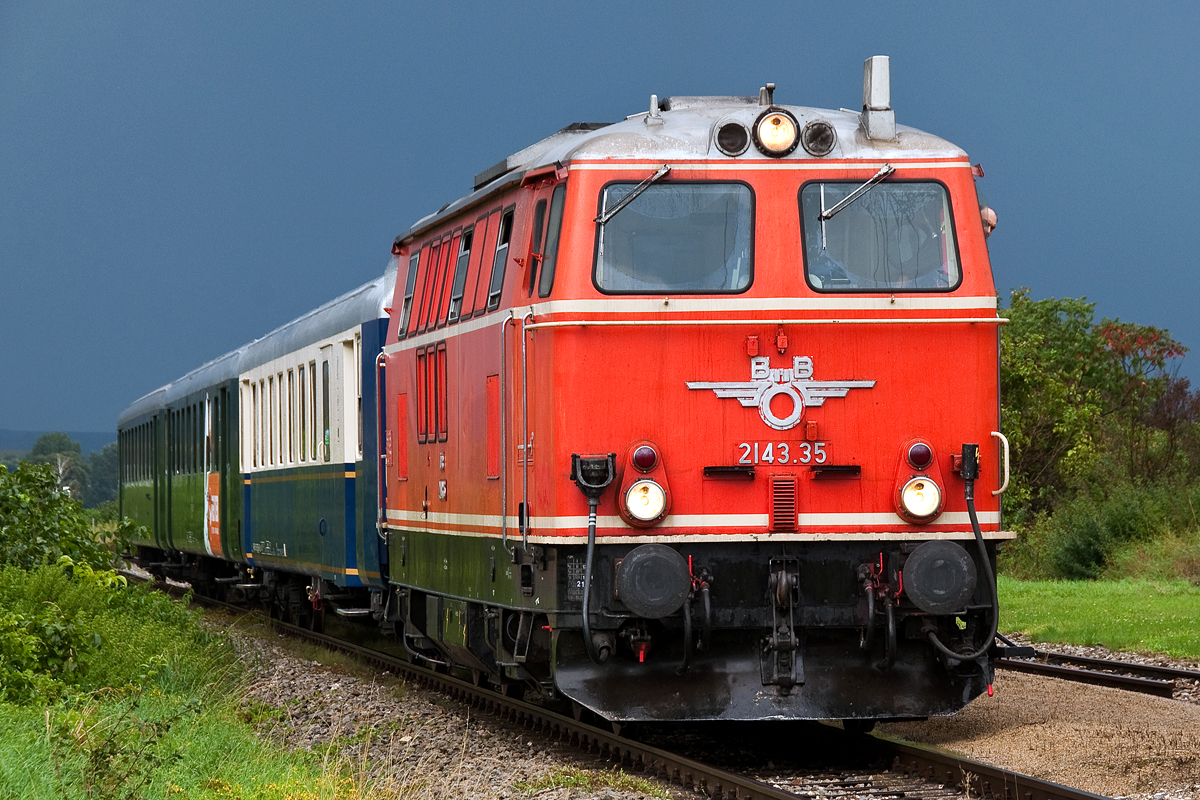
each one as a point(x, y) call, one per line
point(645, 500)
point(920, 456)
point(645, 458)
point(921, 498)
point(775, 133)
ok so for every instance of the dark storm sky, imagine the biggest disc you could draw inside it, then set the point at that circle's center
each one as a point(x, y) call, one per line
point(179, 178)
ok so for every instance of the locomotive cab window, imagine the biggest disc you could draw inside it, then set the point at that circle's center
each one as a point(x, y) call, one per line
point(894, 237)
point(683, 238)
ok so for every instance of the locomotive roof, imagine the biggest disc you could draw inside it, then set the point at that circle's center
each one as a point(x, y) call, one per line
point(355, 307)
point(688, 131)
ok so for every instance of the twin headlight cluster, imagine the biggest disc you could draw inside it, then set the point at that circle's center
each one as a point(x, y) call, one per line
point(645, 495)
point(919, 496)
point(776, 133)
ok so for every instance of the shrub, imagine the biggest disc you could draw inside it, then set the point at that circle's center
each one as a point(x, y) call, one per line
point(39, 522)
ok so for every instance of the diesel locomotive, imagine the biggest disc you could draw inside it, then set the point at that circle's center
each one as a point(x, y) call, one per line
point(689, 416)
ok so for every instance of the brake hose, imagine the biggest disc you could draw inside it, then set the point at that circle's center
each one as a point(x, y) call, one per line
point(970, 471)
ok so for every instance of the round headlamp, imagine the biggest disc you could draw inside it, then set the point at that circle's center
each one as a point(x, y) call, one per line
point(921, 498)
point(645, 500)
point(776, 133)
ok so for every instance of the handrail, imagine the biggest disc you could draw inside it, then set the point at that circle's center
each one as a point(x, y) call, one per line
point(524, 520)
point(381, 483)
point(1004, 440)
point(504, 432)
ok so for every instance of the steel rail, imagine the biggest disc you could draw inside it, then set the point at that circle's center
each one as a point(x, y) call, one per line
point(1146, 678)
point(1127, 666)
point(928, 763)
point(981, 780)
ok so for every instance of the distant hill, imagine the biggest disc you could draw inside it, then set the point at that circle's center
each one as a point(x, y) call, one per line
point(23, 440)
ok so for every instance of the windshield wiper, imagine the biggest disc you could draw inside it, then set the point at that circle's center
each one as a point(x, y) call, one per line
point(887, 169)
point(609, 213)
point(825, 216)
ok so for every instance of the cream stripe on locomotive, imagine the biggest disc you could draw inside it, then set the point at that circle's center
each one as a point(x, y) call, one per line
point(760, 305)
point(488, 524)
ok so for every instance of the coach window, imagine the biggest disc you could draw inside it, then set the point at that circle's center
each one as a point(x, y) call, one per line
point(254, 423)
point(303, 416)
point(894, 237)
point(409, 285)
point(554, 229)
point(291, 415)
point(496, 286)
point(272, 412)
point(358, 389)
point(312, 409)
point(460, 274)
point(325, 406)
point(681, 238)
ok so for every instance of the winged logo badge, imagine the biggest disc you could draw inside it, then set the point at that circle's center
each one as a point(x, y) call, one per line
point(766, 384)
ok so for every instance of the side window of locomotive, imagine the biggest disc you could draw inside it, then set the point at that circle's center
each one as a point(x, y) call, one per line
point(410, 286)
point(475, 298)
point(684, 238)
point(535, 246)
point(895, 237)
point(502, 241)
point(460, 275)
point(445, 284)
point(433, 284)
point(427, 255)
point(553, 229)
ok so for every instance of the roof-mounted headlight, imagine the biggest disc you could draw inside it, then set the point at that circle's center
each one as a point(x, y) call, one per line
point(645, 500)
point(776, 132)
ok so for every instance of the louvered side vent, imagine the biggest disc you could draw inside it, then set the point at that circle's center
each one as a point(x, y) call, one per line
point(783, 502)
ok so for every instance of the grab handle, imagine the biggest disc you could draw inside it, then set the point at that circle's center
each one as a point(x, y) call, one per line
point(1003, 440)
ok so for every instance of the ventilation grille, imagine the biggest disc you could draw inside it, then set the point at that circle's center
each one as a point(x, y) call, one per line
point(783, 502)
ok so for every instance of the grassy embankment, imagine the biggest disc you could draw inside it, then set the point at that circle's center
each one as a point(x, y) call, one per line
point(115, 692)
point(1140, 615)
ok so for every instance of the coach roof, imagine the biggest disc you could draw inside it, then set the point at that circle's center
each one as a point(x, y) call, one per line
point(366, 303)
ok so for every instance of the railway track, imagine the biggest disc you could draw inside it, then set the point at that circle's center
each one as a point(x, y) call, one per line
point(1147, 678)
point(889, 768)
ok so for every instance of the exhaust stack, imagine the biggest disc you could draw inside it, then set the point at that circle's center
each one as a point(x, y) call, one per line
point(877, 118)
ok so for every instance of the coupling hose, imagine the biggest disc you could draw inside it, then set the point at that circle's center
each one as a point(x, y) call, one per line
point(970, 470)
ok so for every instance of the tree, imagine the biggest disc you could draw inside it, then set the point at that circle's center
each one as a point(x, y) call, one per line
point(49, 444)
point(1051, 371)
point(65, 456)
point(102, 476)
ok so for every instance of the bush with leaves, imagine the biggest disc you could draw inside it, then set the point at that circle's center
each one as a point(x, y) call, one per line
point(1100, 428)
point(39, 522)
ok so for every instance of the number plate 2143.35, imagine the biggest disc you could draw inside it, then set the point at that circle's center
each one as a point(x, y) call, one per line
point(780, 452)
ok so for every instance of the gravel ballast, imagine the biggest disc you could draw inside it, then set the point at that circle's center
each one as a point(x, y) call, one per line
point(1107, 741)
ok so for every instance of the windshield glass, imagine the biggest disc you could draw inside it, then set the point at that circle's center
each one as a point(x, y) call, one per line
point(683, 238)
point(896, 237)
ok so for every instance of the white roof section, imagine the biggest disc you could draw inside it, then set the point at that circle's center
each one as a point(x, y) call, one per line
point(364, 304)
point(684, 129)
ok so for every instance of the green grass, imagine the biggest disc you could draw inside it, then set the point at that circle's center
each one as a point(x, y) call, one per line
point(1139, 615)
point(153, 707)
point(592, 781)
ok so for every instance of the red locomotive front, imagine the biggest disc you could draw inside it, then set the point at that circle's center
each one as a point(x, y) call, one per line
point(718, 374)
